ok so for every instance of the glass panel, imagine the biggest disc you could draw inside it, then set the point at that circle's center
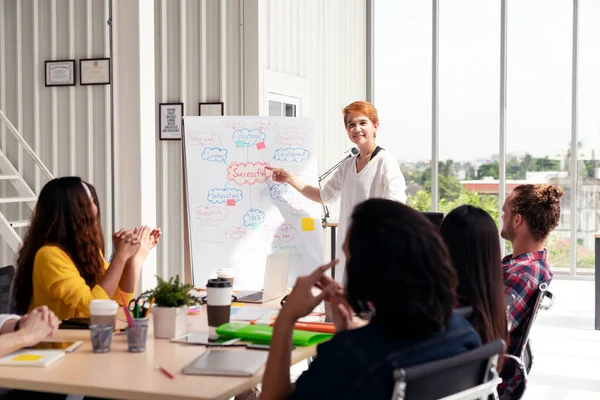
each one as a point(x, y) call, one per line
point(588, 181)
point(539, 106)
point(274, 109)
point(290, 110)
point(469, 116)
point(403, 91)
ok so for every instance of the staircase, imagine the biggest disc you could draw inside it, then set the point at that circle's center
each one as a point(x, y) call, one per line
point(25, 195)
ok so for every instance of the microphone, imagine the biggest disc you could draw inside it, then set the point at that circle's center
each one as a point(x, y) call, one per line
point(353, 151)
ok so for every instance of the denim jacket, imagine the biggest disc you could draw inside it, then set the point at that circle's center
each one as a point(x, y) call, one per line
point(359, 364)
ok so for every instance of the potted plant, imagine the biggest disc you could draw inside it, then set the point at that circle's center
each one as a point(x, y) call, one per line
point(171, 301)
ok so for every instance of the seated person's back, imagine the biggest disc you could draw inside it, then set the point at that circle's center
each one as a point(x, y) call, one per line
point(398, 276)
point(472, 239)
point(359, 363)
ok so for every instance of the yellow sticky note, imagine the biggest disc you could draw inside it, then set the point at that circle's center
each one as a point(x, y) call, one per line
point(27, 357)
point(308, 224)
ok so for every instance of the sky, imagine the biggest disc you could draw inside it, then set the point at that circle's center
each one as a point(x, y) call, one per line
point(539, 65)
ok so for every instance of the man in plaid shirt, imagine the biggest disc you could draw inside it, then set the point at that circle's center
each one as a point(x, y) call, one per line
point(530, 213)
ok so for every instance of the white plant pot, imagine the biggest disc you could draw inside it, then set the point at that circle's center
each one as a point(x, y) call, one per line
point(169, 322)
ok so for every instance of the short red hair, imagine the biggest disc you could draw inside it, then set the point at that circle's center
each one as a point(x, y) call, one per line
point(362, 107)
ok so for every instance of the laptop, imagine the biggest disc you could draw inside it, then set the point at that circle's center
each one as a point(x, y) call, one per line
point(276, 279)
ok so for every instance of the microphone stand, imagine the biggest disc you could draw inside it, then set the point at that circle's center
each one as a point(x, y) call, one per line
point(325, 175)
point(353, 151)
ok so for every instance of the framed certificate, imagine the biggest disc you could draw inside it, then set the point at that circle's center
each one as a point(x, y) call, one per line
point(60, 73)
point(94, 71)
point(214, 109)
point(170, 120)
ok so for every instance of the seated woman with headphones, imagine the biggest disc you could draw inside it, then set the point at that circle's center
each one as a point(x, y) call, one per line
point(61, 265)
point(398, 273)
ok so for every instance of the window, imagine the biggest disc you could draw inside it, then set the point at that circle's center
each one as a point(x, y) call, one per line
point(403, 91)
point(588, 177)
point(282, 106)
point(538, 122)
point(469, 87)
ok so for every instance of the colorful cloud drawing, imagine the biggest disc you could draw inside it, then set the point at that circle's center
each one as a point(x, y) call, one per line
point(282, 192)
point(249, 136)
point(293, 138)
point(211, 213)
point(285, 233)
point(236, 232)
point(220, 196)
point(247, 173)
point(214, 154)
point(203, 139)
point(254, 216)
point(290, 154)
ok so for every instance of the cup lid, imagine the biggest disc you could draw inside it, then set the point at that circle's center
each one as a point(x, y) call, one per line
point(229, 272)
point(104, 304)
point(218, 283)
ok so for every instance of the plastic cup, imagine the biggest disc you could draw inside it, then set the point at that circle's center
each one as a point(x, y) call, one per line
point(101, 338)
point(226, 273)
point(103, 312)
point(136, 339)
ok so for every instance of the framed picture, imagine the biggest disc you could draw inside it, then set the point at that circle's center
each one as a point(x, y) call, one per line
point(94, 71)
point(170, 120)
point(211, 109)
point(60, 73)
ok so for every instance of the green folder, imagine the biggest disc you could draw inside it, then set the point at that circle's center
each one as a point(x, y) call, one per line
point(264, 333)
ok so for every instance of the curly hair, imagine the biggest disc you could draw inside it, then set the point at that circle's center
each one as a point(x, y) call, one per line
point(540, 207)
point(96, 200)
point(62, 217)
point(399, 263)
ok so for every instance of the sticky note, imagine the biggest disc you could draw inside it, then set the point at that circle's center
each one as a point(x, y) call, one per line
point(28, 357)
point(240, 143)
point(268, 173)
point(231, 202)
point(308, 224)
point(255, 225)
point(260, 146)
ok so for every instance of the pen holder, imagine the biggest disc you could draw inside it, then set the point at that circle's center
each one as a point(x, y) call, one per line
point(101, 336)
point(140, 322)
point(136, 339)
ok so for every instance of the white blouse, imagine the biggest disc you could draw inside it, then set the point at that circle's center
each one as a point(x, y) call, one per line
point(380, 178)
point(4, 318)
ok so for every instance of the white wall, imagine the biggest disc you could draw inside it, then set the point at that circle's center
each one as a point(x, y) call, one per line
point(317, 49)
point(198, 57)
point(68, 127)
point(236, 52)
point(206, 50)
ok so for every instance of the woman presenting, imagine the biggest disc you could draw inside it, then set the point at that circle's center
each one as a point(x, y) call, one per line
point(373, 173)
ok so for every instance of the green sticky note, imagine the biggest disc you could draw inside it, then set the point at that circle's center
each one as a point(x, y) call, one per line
point(255, 225)
point(240, 143)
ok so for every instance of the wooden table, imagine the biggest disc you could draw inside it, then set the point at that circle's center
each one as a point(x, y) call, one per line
point(123, 375)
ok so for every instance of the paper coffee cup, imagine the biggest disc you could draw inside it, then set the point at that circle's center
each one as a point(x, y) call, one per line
point(218, 304)
point(226, 273)
point(103, 312)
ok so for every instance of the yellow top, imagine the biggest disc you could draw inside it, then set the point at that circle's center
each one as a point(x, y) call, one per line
point(58, 285)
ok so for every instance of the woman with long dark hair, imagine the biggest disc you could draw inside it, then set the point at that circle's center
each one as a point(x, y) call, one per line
point(61, 264)
point(398, 271)
point(472, 238)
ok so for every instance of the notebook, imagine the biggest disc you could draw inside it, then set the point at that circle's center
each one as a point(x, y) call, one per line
point(31, 358)
point(227, 363)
